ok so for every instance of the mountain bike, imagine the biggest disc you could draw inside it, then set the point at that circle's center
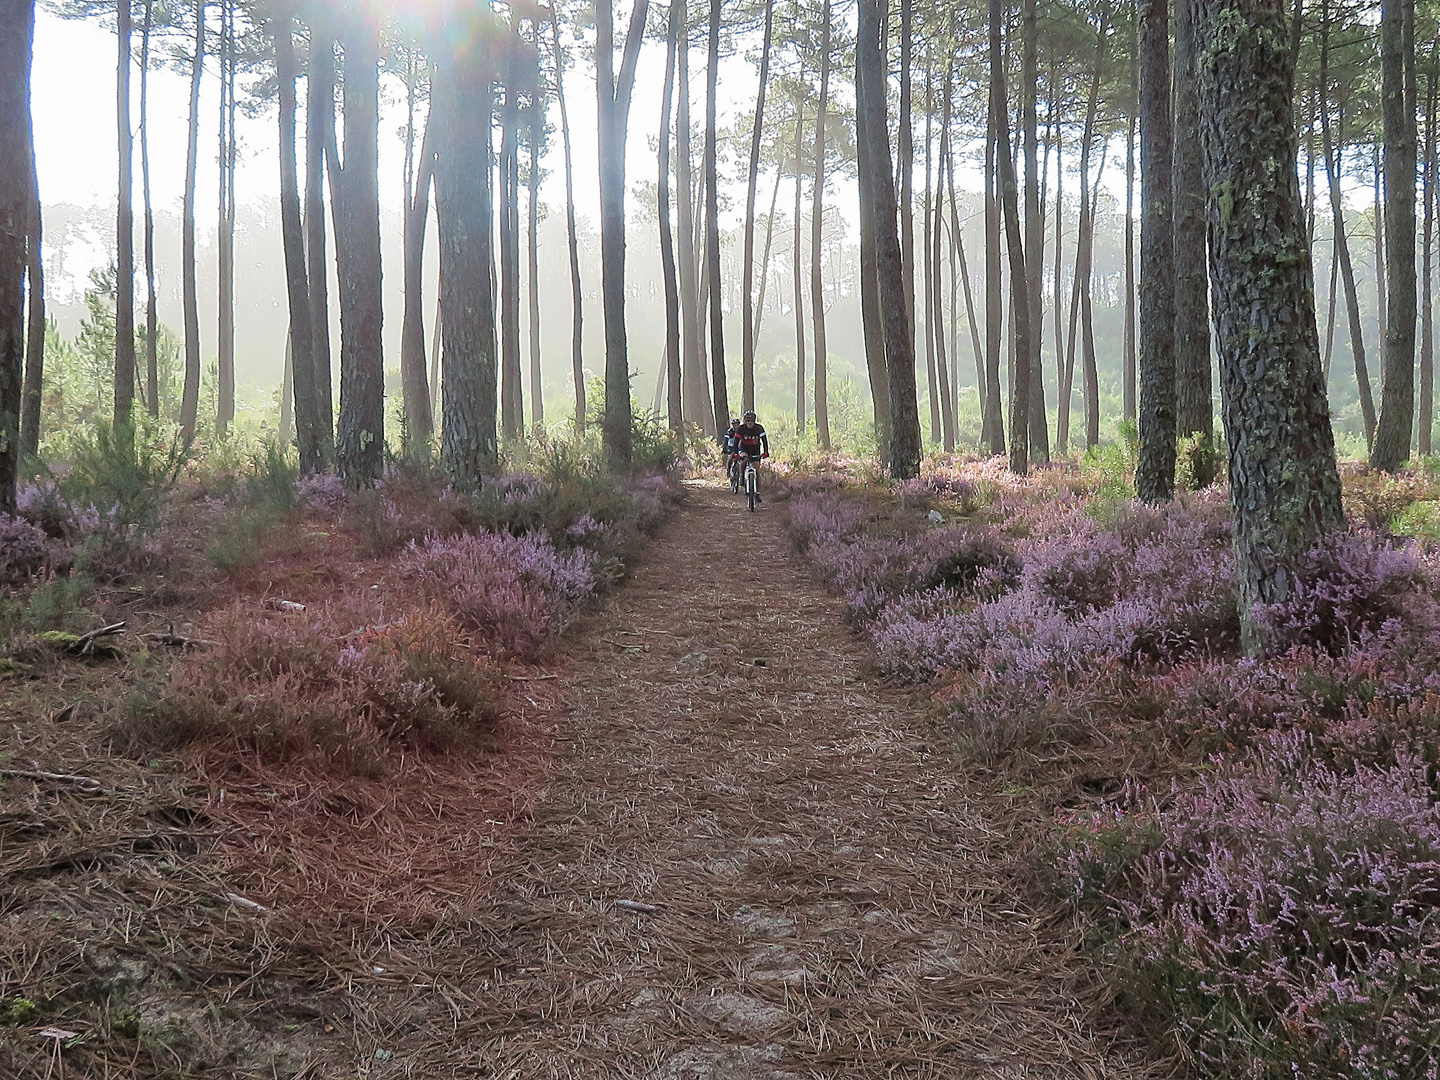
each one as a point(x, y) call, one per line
point(752, 482)
point(733, 470)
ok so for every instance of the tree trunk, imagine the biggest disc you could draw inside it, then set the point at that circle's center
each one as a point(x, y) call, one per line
point(414, 386)
point(1091, 380)
point(461, 100)
point(1063, 372)
point(34, 386)
point(225, 390)
point(1427, 318)
point(286, 432)
point(1194, 413)
point(319, 139)
point(577, 300)
point(870, 310)
point(532, 268)
point(152, 315)
point(799, 287)
point(747, 270)
point(308, 427)
point(124, 227)
point(512, 407)
point(1129, 375)
point(947, 397)
point(957, 242)
point(1034, 235)
point(1342, 247)
point(17, 198)
point(190, 395)
point(1377, 219)
point(698, 407)
point(614, 110)
point(360, 449)
point(927, 215)
point(1019, 279)
point(1155, 474)
point(760, 293)
point(674, 402)
point(906, 147)
point(712, 228)
point(1397, 393)
point(1284, 489)
point(817, 231)
point(993, 424)
point(905, 445)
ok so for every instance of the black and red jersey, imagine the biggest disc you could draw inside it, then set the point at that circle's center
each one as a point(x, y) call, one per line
point(751, 439)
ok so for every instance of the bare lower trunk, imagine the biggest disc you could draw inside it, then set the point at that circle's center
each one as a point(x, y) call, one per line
point(1155, 474)
point(674, 401)
point(817, 220)
point(512, 395)
point(993, 424)
point(360, 448)
point(1034, 235)
point(17, 198)
point(799, 287)
point(190, 394)
point(1284, 490)
point(1129, 375)
point(712, 227)
point(414, 385)
point(225, 345)
point(577, 304)
point(1397, 395)
point(747, 270)
point(124, 229)
point(152, 314)
point(319, 140)
point(1427, 318)
point(34, 385)
point(696, 390)
point(532, 248)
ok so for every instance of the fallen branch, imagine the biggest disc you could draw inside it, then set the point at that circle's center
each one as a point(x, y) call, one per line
point(178, 641)
point(85, 644)
point(54, 777)
point(532, 678)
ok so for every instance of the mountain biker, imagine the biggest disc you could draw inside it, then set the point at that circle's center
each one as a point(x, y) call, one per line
point(750, 439)
point(727, 439)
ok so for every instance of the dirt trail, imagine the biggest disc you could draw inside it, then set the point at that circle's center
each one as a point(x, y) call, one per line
point(832, 900)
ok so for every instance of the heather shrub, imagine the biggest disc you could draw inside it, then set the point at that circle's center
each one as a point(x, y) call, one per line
point(22, 550)
point(1350, 585)
point(287, 690)
point(1376, 498)
point(517, 591)
point(1280, 915)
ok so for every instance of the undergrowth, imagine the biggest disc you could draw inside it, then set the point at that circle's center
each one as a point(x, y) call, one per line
point(1261, 878)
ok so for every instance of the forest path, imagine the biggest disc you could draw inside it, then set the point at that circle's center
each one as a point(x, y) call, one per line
point(831, 898)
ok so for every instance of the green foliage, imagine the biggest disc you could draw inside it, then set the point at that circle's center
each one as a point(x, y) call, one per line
point(1420, 519)
point(124, 472)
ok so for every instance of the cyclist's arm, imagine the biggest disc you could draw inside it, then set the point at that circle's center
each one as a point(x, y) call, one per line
point(764, 444)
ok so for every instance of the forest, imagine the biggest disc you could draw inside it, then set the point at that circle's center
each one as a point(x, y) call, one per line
point(395, 689)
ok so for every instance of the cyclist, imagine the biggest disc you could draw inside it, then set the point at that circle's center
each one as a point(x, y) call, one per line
point(729, 448)
point(750, 439)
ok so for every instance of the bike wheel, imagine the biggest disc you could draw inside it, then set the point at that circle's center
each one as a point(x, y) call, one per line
point(751, 490)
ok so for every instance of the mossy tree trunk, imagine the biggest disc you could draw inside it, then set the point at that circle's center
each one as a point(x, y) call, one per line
point(1284, 487)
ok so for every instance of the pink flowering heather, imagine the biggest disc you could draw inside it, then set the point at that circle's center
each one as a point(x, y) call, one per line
point(22, 549)
point(519, 591)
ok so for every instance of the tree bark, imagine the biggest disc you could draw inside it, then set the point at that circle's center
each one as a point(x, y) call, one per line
point(1397, 393)
point(1342, 246)
point(993, 423)
point(957, 256)
point(1091, 380)
point(927, 215)
point(319, 138)
point(712, 227)
point(1194, 413)
point(905, 444)
point(698, 406)
point(512, 406)
point(532, 242)
point(308, 427)
point(190, 394)
point(1129, 375)
point(34, 385)
point(675, 405)
point(17, 198)
point(225, 390)
point(577, 298)
point(152, 315)
point(905, 147)
point(1155, 474)
point(1284, 488)
point(124, 226)
point(414, 385)
point(1427, 318)
point(799, 287)
point(360, 449)
point(947, 397)
point(817, 231)
point(1034, 235)
point(747, 343)
point(1377, 233)
point(614, 110)
point(461, 100)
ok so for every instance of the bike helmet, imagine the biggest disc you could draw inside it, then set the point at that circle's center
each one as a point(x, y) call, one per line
point(750, 415)
point(734, 420)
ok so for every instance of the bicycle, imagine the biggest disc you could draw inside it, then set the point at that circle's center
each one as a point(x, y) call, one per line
point(752, 482)
point(733, 470)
